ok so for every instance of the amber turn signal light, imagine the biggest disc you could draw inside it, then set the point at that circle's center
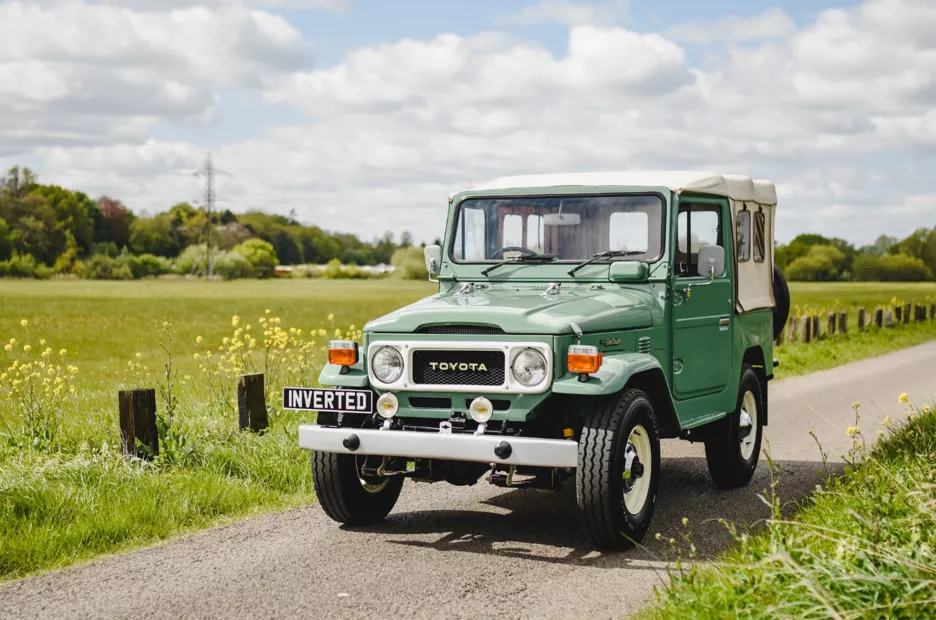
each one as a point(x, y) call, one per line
point(342, 352)
point(584, 360)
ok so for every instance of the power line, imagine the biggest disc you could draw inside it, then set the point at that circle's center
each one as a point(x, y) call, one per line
point(209, 171)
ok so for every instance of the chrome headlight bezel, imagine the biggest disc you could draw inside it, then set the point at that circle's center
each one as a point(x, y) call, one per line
point(374, 362)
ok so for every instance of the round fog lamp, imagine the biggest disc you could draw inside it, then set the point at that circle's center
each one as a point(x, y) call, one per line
point(481, 410)
point(387, 406)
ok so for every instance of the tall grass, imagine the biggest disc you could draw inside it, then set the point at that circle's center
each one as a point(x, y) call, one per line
point(864, 546)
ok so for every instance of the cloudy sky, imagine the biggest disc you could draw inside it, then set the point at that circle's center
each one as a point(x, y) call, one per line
point(363, 115)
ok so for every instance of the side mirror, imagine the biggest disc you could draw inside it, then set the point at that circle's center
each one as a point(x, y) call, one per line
point(433, 255)
point(712, 261)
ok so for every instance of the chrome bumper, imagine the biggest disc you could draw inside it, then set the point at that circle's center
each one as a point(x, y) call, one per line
point(529, 451)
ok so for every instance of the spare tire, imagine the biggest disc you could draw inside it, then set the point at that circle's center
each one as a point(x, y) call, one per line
point(781, 293)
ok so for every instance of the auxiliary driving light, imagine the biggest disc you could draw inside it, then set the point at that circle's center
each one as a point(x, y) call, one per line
point(387, 406)
point(481, 410)
point(584, 360)
point(343, 352)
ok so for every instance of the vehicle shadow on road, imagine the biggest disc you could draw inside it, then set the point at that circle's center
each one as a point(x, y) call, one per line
point(545, 527)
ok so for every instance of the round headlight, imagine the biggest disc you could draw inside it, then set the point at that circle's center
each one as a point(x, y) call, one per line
point(529, 367)
point(481, 410)
point(387, 364)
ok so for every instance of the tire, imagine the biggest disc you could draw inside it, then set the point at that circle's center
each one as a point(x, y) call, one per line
point(615, 517)
point(345, 497)
point(731, 458)
point(781, 293)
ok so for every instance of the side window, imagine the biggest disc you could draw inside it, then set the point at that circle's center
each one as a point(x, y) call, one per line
point(760, 237)
point(697, 225)
point(629, 231)
point(513, 231)
point(744, 236)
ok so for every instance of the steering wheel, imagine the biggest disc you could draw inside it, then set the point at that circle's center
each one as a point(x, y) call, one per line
point(513, 248)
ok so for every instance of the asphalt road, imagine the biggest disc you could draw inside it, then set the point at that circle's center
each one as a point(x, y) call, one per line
point(478, 552)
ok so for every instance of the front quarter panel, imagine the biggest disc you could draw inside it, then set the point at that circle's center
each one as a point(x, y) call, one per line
point(615, 372)
point(331, 376)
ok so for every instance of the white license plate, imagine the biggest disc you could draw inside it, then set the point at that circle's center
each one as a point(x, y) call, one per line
point(321, 399)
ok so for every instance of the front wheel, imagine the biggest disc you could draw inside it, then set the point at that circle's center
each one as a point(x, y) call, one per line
point(733, 444)
point(348, 497)
point(618, 470)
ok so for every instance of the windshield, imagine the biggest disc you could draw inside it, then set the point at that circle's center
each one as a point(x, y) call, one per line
point(571, 228)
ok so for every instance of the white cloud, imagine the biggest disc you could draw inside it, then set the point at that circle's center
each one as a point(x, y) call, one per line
point(771, 24)
point(570, 13)
point(78, 74)
point(164, 5)
point(835, 112)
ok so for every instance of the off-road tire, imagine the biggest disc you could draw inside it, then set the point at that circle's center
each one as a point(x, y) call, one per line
point(342, 494)
point(598, 478)
point(781, 293)
point(727, 465)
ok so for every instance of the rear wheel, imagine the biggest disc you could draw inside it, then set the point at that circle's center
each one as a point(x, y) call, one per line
point(732, 446)
point(781, 292)
point(348, 497)
point(618, 470)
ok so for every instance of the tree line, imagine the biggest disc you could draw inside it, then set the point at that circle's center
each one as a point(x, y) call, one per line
point(815, 258)
point(47, 229)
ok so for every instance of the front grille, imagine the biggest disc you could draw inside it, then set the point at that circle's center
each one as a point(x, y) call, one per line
point(462, 330)
point(458, 367)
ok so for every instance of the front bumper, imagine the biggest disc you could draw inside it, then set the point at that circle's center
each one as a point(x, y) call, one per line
point(527, 451)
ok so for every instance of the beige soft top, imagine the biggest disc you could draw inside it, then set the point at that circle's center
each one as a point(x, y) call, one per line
point(735, 186)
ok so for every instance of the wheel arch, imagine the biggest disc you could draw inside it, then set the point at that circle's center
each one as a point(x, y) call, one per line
point(654, 384)
point(754, 357)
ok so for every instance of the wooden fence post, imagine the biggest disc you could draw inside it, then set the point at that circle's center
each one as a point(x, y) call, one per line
point(793, 324)
point(830, 319)
point(879, 317)
point(815, 327)
point(888, 318)
point(906, 316)
point(806, 329)
point(932, 312)
point(251, 402)
point(843, 322)
point(138, 422)
point(861, 319)
point(898, 313)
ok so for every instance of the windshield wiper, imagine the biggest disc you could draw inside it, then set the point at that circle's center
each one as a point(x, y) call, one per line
point(601, 255)
point(523, 258)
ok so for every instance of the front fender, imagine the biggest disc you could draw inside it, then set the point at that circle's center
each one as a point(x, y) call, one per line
point(616, 370)
point(356, 377)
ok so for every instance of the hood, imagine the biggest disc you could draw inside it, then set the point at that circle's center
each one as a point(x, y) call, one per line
point(522, 310)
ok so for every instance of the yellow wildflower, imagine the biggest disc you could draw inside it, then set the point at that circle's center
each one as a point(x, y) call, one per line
point(27, 348)
point(199, 340)
point(139, 356)
point(63, 353)
point(42, 342)
point(851, 431)
point(904, 399)
point(8, 348)
point(331, 317)
point(24, 322)
point(267, 311)
point(886, 421)
point(235, 320)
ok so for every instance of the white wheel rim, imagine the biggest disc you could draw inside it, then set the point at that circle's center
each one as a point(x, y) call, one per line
point(749, 416)
point(636, 484)
point(371, 488)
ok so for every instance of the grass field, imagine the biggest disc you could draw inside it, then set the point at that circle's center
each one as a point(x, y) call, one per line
point(71, 497)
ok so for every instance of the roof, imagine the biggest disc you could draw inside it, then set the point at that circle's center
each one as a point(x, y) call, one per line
point(738, 187)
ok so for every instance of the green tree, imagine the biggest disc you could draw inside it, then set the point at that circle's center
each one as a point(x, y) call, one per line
point(261, 256)
point(6, 242)
point(154, 235)
point(116, 221)
point(822, 263)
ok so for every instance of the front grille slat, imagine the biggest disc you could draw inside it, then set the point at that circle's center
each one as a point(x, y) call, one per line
point(482, 368)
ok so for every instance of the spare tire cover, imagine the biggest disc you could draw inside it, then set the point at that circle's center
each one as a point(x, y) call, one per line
point(781, 293)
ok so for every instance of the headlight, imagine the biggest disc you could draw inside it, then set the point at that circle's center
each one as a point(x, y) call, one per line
point(529, 367)
point(387, 364)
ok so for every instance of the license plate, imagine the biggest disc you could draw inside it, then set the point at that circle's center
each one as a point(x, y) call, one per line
point(320, 399)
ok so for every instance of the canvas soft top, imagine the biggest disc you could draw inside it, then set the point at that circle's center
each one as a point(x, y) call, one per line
point(739, 188)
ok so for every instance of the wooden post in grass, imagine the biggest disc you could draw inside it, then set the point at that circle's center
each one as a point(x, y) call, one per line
point(793, 324)
point(138, 422)
point(932, 312)
point(816, 323)
point(806, 329)
point(906, 316)
point(861, 319)
point(830, 319)
point(843, 323)
point(888, 318)
point(898, 313)
point(251, 402)
point(879, 317)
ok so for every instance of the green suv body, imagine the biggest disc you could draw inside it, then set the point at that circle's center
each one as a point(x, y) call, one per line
point(580, 319)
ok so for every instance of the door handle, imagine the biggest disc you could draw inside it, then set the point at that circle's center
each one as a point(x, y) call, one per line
point(724, 322)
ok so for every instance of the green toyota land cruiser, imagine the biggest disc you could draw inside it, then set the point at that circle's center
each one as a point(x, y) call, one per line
point(580, 319)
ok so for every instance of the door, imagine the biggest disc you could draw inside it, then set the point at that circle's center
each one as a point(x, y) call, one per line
point(702, 307)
